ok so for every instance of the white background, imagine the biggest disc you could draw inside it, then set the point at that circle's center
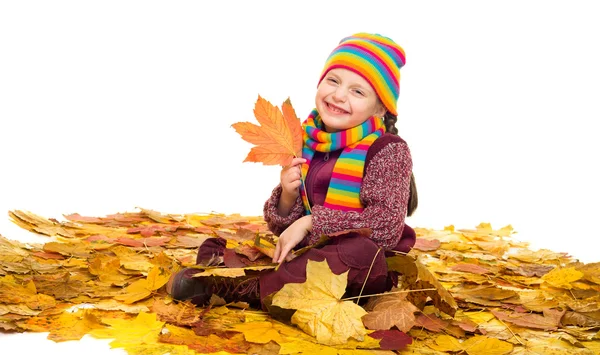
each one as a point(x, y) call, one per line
point(110, 105)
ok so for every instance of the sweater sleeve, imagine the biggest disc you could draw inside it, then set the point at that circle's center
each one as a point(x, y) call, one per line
point(275, 222)
point(384, 193)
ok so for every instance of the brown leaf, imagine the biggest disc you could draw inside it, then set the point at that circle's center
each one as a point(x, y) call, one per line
point(469, 267)
point(431, 322)
point(416, 277)
point(550, 320)
point(250, 252)
point(232, 260)
point(426, 244)
point(390, 310)
point(189, 241)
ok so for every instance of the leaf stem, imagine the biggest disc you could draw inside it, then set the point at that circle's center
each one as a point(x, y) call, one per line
point(304, 187)
point(368, 273)
point(387, 293)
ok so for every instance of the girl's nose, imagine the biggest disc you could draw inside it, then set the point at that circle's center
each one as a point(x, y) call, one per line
point(339, 94)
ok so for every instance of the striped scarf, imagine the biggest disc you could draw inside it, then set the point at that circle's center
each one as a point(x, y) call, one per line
point(344, 187)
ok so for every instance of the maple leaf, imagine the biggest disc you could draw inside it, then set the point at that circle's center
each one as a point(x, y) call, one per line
point(563, 277)
point(477, 345)
point(231, 272)
point(107, 269)
point(390, 310)
point(181, 313)
point(259, 332)
point(278, 139)
point(140, 289)
point(319, 310)
point(67, 326)
point(144, 329)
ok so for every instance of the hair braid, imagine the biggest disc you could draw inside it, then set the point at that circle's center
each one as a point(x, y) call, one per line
point(413, 199)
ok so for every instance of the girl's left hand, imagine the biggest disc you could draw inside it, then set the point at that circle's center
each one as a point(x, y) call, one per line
point(290, 237)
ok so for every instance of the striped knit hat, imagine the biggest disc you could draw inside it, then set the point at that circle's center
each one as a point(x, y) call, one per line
point(376, 58)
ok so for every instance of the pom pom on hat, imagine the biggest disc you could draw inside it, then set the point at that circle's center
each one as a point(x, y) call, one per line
point(376, 58)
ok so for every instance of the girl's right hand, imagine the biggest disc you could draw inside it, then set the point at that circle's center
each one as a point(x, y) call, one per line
point(291, 179)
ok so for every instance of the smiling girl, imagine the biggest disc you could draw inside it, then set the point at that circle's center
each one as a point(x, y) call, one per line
point(357, 174)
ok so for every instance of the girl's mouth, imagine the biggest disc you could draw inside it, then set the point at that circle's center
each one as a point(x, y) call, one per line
point(335, 109)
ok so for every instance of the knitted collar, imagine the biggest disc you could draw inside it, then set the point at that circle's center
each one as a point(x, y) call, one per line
point(344, 186)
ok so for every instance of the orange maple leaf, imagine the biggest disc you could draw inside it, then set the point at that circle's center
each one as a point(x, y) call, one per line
point(278, 139)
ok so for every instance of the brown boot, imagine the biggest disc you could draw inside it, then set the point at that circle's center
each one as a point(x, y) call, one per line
point(183, 286)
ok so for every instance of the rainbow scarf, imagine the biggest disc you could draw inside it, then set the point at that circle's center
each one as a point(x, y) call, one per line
point(344, 187)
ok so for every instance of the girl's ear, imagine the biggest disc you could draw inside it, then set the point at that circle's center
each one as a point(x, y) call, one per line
point(381, 111)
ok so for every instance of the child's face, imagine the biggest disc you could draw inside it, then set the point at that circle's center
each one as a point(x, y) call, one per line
point(345, 99)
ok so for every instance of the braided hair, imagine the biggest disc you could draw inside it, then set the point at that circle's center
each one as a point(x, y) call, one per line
point(413, 198)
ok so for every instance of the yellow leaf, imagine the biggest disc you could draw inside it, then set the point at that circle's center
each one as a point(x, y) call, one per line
point(231, 272)
point(552, 346)
point(112, 305)
point(144, 329)
point(12, 292)
point(259, 332)
point(482, 345)
point(591, 272)
point(278, 138)
point(140, 289)
point(592, 345)
point(157, 278)
point(476, 345)
point(446, 343)
point(367, 343)
point(107, 269)
point(562, 277)
point(319, 310)
point(67, 326)
point(20, 309)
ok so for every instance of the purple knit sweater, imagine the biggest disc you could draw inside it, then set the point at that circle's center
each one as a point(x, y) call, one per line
point(384, 194)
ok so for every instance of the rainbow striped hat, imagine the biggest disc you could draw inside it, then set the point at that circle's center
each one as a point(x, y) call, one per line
point(376, 58)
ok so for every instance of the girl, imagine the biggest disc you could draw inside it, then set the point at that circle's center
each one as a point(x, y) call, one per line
point(357, 173)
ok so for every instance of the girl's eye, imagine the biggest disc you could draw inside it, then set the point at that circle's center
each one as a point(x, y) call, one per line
point(359, 92)
point(332, 80)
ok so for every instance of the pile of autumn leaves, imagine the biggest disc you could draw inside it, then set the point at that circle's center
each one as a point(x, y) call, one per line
point(483, 292)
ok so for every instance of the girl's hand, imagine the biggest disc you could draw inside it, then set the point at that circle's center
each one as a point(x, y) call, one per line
point(290, 237)
point(291, 179)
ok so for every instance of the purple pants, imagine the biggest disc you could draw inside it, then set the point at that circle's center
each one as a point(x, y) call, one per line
point(352, 253)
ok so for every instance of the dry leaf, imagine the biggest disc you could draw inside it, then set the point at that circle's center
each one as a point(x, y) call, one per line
point(529, 291)
point(140, 289)
point(390, 310)
point(415, 277)
point(144, 329)
point(67, 326)
point(278, 139)
point(319, 310)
